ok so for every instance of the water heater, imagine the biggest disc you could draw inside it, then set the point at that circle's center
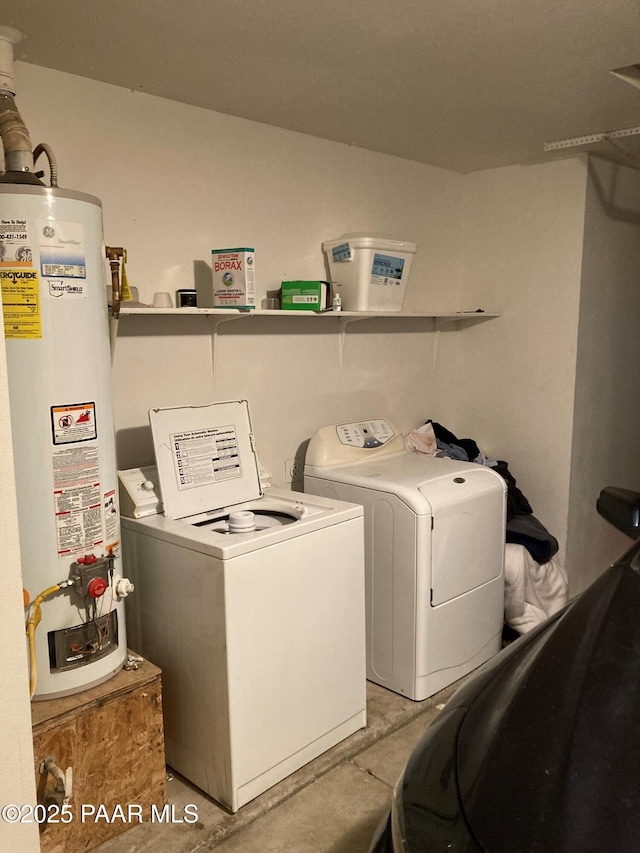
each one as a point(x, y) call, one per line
point(56, 327)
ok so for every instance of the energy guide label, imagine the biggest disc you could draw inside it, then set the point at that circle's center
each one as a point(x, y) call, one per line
point(205, 456)
point(21, 302)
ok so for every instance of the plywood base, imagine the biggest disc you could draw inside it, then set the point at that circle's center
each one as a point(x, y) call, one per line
point(112, 738)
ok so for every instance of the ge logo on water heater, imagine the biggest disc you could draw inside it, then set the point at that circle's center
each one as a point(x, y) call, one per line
point(48, 231)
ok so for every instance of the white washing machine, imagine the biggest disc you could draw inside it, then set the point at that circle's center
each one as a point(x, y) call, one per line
point(251, 601)
point(434, 553)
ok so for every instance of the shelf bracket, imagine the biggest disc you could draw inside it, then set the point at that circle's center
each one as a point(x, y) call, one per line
point(609, 137)
point(343, 322)
point(216, 320)
point(590, 138)
point(633, 159)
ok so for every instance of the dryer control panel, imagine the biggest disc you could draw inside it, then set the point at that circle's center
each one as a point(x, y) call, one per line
point(365, 433)
point(359, 441)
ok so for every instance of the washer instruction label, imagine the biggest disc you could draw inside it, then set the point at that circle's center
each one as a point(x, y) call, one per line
point(205, 456)
point(21, 302)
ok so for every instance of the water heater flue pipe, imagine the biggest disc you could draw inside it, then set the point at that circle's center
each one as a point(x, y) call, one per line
point(18, 157)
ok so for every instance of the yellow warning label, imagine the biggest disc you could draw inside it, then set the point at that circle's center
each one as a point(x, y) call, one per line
point(21, 302)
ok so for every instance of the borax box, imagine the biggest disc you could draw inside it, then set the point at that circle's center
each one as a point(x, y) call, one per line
point(233, 278)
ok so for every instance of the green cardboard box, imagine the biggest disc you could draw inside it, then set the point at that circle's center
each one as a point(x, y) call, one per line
point(304, 295)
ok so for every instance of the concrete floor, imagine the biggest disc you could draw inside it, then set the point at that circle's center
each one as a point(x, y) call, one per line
point(331, 805)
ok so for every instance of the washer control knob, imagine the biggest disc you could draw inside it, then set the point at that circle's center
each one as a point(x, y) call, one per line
point(148, 486)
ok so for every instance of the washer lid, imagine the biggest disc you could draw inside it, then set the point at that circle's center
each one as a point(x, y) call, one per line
point(205, 456)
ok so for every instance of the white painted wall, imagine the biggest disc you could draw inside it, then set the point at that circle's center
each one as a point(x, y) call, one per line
point(513, 378)
point(551, 386)
point(606, 451)
point(17, 780)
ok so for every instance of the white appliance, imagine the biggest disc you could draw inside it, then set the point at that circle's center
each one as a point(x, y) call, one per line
point(52, 280)
point(58, 364)
point(252, 604)
point(434, 553)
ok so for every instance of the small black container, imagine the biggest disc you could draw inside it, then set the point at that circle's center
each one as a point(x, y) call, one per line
point(186, 299)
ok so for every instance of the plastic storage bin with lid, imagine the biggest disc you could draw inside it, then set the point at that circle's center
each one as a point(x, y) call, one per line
point(370, 272)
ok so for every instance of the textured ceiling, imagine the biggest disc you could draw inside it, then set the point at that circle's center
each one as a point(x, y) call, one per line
point(462, 84)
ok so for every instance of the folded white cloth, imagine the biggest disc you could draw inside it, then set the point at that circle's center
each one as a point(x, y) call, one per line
point(532, 592)
point(422, 440)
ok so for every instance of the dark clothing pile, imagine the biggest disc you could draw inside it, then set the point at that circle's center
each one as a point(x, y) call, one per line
point(523, 528)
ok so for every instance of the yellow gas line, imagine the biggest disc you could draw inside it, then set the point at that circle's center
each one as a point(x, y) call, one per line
point(35, 614)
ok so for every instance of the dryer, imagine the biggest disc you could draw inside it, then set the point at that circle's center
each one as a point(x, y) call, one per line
point(434, 552)
point(249, 598)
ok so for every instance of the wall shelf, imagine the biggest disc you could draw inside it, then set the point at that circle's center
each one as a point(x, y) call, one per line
point(236, 313)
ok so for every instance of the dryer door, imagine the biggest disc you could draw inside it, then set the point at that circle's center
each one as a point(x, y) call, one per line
point(468, 532)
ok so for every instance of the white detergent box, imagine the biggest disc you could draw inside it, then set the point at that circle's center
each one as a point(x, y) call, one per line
point(233, 279)
point(370, 272)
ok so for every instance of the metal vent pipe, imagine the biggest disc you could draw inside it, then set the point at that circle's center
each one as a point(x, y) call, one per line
point(18, 156)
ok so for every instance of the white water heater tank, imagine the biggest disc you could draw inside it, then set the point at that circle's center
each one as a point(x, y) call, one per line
point(52, 270)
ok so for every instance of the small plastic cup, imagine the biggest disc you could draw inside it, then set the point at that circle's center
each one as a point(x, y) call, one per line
point(162, 300)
